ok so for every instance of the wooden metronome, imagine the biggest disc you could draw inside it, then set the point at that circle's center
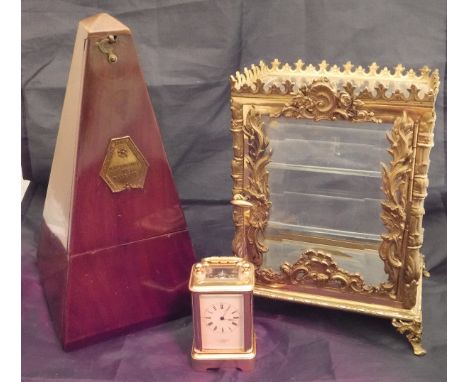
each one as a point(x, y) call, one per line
point(115, 253)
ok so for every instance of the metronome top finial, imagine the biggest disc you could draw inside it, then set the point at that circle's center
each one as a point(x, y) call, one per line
point(102, 23)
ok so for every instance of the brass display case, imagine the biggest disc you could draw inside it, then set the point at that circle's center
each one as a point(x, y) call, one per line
point(330, 172)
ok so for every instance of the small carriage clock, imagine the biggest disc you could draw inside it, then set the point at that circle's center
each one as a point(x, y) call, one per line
point(223, 333)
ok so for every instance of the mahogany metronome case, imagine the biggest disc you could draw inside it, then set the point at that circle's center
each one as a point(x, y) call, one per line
point(115, 253)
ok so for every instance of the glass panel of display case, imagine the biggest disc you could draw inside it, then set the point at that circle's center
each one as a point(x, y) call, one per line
point(325, 188)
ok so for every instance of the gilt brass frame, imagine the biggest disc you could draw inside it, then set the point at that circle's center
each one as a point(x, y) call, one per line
point(405, 99)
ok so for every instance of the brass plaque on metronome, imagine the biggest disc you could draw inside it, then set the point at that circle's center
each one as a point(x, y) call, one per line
point(124, 166)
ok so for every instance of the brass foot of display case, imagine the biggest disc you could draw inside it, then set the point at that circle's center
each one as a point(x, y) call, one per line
point(412, 329)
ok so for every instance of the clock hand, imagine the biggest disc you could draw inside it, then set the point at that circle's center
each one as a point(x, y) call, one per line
point(224, 313)
point(226, 310)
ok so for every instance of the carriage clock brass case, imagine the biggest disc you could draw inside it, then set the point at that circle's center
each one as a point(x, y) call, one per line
point(307, 94)
point(222, 311)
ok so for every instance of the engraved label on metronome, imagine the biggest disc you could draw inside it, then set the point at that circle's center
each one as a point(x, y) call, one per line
point(124, 166)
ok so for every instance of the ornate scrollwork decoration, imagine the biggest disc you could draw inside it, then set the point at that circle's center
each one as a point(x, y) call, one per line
point(413, 332)
point(239, 247)
point(240, 218)
point(256, 192)
point(414, 261)
point(332, 92)
point(258, 80)
point(315, 268)
point(321, 101)
point(395, 182)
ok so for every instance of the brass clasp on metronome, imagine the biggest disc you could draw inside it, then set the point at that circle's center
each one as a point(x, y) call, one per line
point(106, 46)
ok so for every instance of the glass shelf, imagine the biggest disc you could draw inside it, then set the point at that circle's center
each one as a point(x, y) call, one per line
point(310, 213)
point(321, 169)
point(334, 146)
point(325, 181)
point(331, 154)
point(352, 132)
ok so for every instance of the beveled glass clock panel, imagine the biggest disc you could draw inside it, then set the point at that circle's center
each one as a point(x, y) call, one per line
point(222, 321)
point(222, 273)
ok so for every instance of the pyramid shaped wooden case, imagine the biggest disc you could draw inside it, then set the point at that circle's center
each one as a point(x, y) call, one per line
point(115, 252)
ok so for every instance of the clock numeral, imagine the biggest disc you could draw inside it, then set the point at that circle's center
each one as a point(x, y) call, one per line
point(210, 323)
point(234, 323)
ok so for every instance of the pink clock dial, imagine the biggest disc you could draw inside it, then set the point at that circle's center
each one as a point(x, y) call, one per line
point(222, 321)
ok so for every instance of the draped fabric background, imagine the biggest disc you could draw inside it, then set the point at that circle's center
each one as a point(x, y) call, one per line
point(188, 49)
